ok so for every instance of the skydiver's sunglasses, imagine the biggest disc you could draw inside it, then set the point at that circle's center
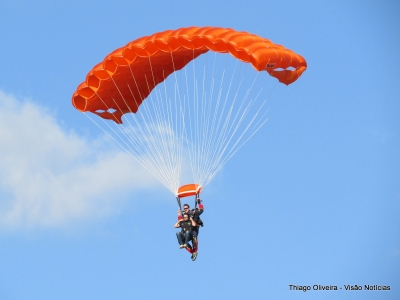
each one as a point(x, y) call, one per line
point(186, 208)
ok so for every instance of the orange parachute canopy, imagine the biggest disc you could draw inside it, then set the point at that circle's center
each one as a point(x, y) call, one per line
point(120, 83)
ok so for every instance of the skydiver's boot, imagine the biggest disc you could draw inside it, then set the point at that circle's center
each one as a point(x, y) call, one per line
point(182, 246)
point(194, 256)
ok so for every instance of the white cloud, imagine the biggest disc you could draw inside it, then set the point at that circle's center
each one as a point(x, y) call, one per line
point(50, 177)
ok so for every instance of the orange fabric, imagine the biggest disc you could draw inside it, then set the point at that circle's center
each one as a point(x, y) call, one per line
point(128, 75)
point(189, 190)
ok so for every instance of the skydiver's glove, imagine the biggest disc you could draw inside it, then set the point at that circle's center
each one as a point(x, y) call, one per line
point(198, 200)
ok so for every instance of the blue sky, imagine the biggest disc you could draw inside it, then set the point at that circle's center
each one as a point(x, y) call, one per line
point(313, 198)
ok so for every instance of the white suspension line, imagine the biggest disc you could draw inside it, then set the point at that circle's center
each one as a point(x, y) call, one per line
point(220, 140)
point(157, 161)
point(138, 158)
point(217, 140)
point(164, 151)
point(156, 141)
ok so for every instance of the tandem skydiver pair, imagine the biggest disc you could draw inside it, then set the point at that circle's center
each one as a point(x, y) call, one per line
point(189, 220)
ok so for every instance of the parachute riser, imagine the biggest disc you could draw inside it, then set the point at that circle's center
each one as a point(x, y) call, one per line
point(180, 205)
point(195, 200)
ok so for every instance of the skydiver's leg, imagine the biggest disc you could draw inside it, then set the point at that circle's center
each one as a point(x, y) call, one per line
point(195, 245)
point(196, 231)
point(188, 237)
point(195, 235)
point(180, 238)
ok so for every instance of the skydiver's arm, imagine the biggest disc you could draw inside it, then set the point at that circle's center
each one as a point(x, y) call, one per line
point(201, 209)
point(179, 215)
point(177, 225)
point(193, 222)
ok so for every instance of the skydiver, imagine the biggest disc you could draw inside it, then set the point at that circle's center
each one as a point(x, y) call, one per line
point(186, 234)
